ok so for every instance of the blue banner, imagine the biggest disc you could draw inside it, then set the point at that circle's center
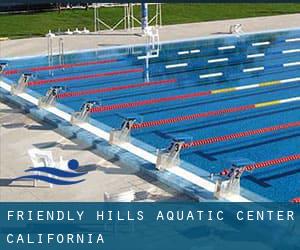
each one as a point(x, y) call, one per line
point(149, 226)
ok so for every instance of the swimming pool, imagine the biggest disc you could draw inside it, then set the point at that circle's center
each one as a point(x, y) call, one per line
point(233, 98)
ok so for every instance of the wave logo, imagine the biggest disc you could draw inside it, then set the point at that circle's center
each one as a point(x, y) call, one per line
point(55, 175)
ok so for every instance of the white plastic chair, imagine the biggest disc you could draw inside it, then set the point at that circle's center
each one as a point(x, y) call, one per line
point(69, 32)
point(128, 196)
point(77, 31)
point(50, 34)
point(236, 29)
point(40, 158)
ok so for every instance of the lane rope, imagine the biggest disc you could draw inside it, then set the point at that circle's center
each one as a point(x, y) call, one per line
point(190, 117)
point(80, 77)
point(240, 135)
point(268, 163)
point(188, 96)
point(65, 66)
point(160, 122)
point(263, 164)
point(296, 200)
point(111, 89)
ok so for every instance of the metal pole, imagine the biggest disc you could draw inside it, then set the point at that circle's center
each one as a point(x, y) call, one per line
point(50, 53)
point(160, 15)
point(144, 14)
point(61, 51)
point(95, 18)
point(128, 16)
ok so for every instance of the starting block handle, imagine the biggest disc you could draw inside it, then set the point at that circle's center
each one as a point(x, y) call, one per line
point(169, 157)
point(122, 135)
point(231, 184)
point(22, 83)
point(84, 113)
point(50, 97)
point(127, 123)
point(3, 65)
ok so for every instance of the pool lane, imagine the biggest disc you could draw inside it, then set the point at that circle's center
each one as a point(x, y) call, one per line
point(185, 86)
point(187, 106)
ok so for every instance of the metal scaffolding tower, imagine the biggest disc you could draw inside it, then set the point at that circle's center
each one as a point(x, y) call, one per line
point(129, 20)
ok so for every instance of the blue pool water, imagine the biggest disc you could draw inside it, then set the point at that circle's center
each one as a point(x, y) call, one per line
point(237, 61)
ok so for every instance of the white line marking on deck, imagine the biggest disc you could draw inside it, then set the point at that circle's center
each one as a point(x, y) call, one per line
point(261, 43)
point(253, 69)
point(291, 64)
point(179, 65)
point(145, 57)
point(290, 51)
point(59, 113)
point(218, 60)
point(183, 52)
point(292, 40)
point(226, 47)
point(5, 86)
point(290, 80)
point(211, 75)
point(195, 51)
point(256, 55)
point(290, 99)
point(247, 87)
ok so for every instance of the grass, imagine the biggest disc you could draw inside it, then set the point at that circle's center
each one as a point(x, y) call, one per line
point(38, 24)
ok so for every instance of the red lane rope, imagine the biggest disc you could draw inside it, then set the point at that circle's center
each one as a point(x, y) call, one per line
point(271, 162)
point(265, 164)
point(240, 134)
point(191, 117)
point(296, 200)
point(65, 66)
point(148, 102)
point(71, 78)
point(110, 89)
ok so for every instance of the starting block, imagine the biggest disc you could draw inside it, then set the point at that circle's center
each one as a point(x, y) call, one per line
point(3, 65)
point(225, 188)
point(84, 113)
point(50, 97)
point(231, 185)
point(122, 135)
point(170, 157)
point(22, 84)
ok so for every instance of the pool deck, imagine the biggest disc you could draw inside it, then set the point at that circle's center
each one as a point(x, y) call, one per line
point(106, 176)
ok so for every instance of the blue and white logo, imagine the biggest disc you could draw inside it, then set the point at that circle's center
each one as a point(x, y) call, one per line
point(54, 175)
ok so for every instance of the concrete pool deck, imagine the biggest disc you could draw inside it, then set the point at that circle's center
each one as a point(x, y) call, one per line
point(108, 177)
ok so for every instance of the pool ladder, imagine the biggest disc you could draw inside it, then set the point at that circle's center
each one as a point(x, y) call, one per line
point(153, 47)
point(50, 52)
point(61, 53)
